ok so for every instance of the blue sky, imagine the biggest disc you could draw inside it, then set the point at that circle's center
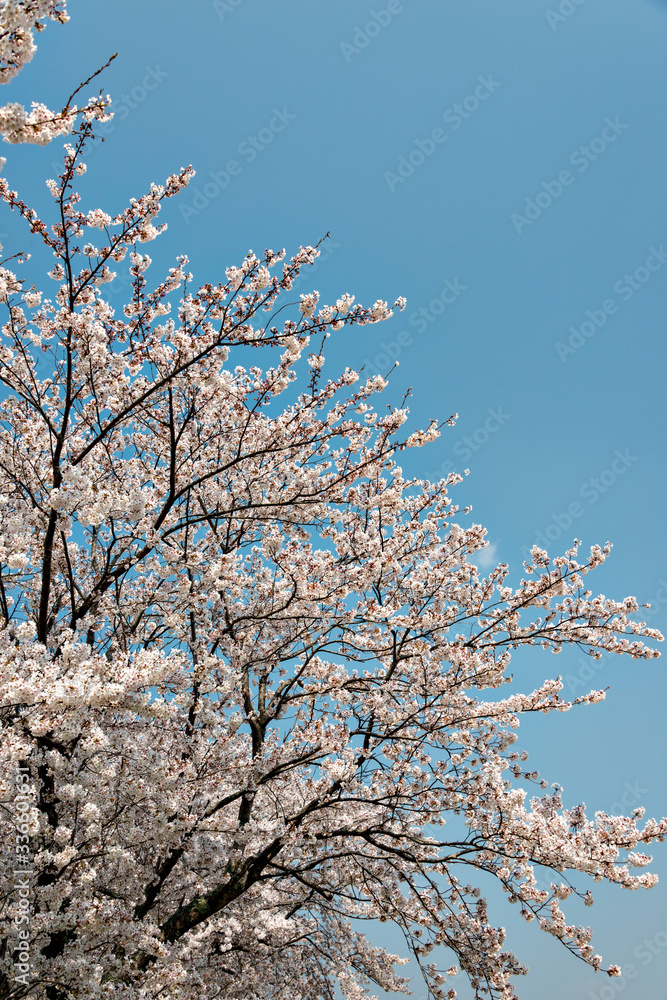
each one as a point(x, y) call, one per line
point(502, 166)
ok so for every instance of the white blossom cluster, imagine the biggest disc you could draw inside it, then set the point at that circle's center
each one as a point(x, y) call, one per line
point(18, 20)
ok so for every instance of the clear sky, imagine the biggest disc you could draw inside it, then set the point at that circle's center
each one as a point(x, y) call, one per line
point(503, 166)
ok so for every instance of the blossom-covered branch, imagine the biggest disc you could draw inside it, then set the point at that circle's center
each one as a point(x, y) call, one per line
point(18, 20)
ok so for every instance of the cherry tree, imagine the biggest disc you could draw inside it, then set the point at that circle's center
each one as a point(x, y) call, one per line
point(250, 673)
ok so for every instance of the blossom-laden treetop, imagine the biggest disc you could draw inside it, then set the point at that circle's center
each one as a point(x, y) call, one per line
point(251, 673)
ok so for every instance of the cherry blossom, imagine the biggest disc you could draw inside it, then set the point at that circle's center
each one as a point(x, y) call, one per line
point(253, 684)
point(18, 20)
point(252, 669)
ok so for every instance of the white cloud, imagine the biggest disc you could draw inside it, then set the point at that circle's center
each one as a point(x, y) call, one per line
point(487, 558)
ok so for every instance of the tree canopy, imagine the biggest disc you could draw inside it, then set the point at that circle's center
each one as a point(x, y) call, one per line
point(250, 674)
